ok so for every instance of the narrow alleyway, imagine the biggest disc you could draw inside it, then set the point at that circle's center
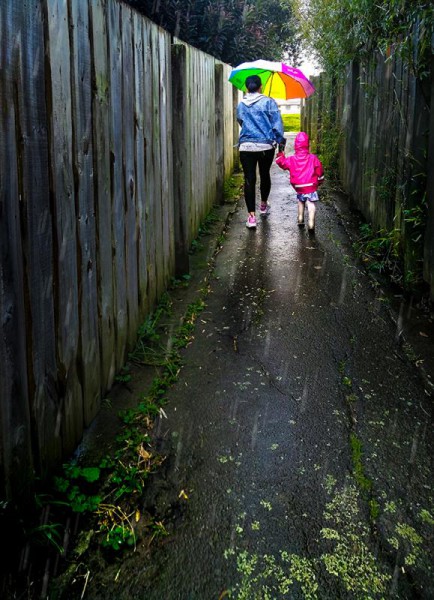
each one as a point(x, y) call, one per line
point(299, 436)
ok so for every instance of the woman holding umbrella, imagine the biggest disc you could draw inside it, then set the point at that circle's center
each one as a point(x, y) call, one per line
point(261, 131)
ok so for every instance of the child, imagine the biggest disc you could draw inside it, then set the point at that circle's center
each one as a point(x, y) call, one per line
point(306, 174)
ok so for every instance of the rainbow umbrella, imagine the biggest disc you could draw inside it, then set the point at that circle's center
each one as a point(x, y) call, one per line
point(279, 81)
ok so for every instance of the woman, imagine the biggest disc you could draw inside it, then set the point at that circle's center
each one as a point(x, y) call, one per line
point(261, 130)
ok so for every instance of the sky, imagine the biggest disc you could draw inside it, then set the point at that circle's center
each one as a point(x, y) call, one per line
point(309, 67)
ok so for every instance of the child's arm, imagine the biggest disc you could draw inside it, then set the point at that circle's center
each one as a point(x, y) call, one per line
point(319, 170)
point(282, 161)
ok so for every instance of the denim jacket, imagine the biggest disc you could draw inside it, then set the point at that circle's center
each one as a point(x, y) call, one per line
point(260, 120)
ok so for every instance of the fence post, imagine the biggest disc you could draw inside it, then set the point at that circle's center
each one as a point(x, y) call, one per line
point(236, 129)
point(180, 159)
point(219, 128)
point(429, 231)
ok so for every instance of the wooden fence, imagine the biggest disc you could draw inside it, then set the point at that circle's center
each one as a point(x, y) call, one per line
point(381, 117)
point(115, 141)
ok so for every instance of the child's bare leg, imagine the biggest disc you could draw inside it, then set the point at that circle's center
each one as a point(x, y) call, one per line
point(300, 212)
point(311, 208)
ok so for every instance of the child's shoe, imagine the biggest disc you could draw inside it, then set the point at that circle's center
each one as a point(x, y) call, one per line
point(264, 209)
point(251, 222)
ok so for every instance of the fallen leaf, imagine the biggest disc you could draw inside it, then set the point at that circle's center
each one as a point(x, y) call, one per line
point(144, 453)
point(183, 495)
point(423, 334)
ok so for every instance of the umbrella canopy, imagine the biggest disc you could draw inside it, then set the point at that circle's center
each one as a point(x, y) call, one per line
point(279, 81)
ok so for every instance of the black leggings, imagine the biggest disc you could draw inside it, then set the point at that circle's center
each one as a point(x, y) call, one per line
point(249, 160)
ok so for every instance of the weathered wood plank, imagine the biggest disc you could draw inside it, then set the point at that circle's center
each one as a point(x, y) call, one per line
point(38, 237)
point(89, 358)
point(219, 125)
point(166, 160)
point(180, 159)
point(15, 435)
point(157, 142)
point(429, 235)
point(149, 166)
point(140, 40)
point(65, 229)
point(117, 178)
point(128, 146)
point(103, 193)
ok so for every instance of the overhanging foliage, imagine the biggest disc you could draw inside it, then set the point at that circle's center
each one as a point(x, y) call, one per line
point(338, 31)
point(233, 31)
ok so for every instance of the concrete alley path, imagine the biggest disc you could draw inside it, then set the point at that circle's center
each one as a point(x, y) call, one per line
point(298, 438)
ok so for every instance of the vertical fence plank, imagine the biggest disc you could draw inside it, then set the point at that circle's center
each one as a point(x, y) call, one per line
point(236, 128)
point(219, 126)
point(140, 163)
point(38, 237)
point(65, 230)
point(180, 158)
point(117, 179)
point(128, 146)
point(103, 193)
point(157, 142)
point(16, 466)
point(149, 166)
point(166, 161)
point(89, 358)
point(229, 136)
point(429, 232)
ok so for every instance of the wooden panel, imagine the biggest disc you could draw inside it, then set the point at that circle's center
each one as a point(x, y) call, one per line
point(38, 238)
point(219, 125)
point(157, 141)
point(429, 232)
point(103, 193)
point(128, 145)
point(65, 230)
point(167, 231)
point(229, 140)
point(89, 358)
point(180, 159)
point(16, 465)
point(117, 179)
point(140, 41)
point(149, 165)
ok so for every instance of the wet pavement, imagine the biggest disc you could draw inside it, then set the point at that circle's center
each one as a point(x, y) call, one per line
point(298, 438)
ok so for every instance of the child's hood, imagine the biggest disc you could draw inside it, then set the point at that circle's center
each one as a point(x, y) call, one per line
point(250, 99)
point(301, 142)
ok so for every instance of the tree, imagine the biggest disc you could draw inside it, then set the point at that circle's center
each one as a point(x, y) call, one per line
point(338, 31)
point(233, 31)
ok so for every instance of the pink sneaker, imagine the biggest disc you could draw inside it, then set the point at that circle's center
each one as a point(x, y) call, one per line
point(264, 209)
point(251, 222)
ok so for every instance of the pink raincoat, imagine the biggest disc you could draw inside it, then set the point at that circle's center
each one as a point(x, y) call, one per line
point(306, 172)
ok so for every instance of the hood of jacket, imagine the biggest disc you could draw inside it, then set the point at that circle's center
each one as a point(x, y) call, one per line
point(250, 99)
point(301, 143)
